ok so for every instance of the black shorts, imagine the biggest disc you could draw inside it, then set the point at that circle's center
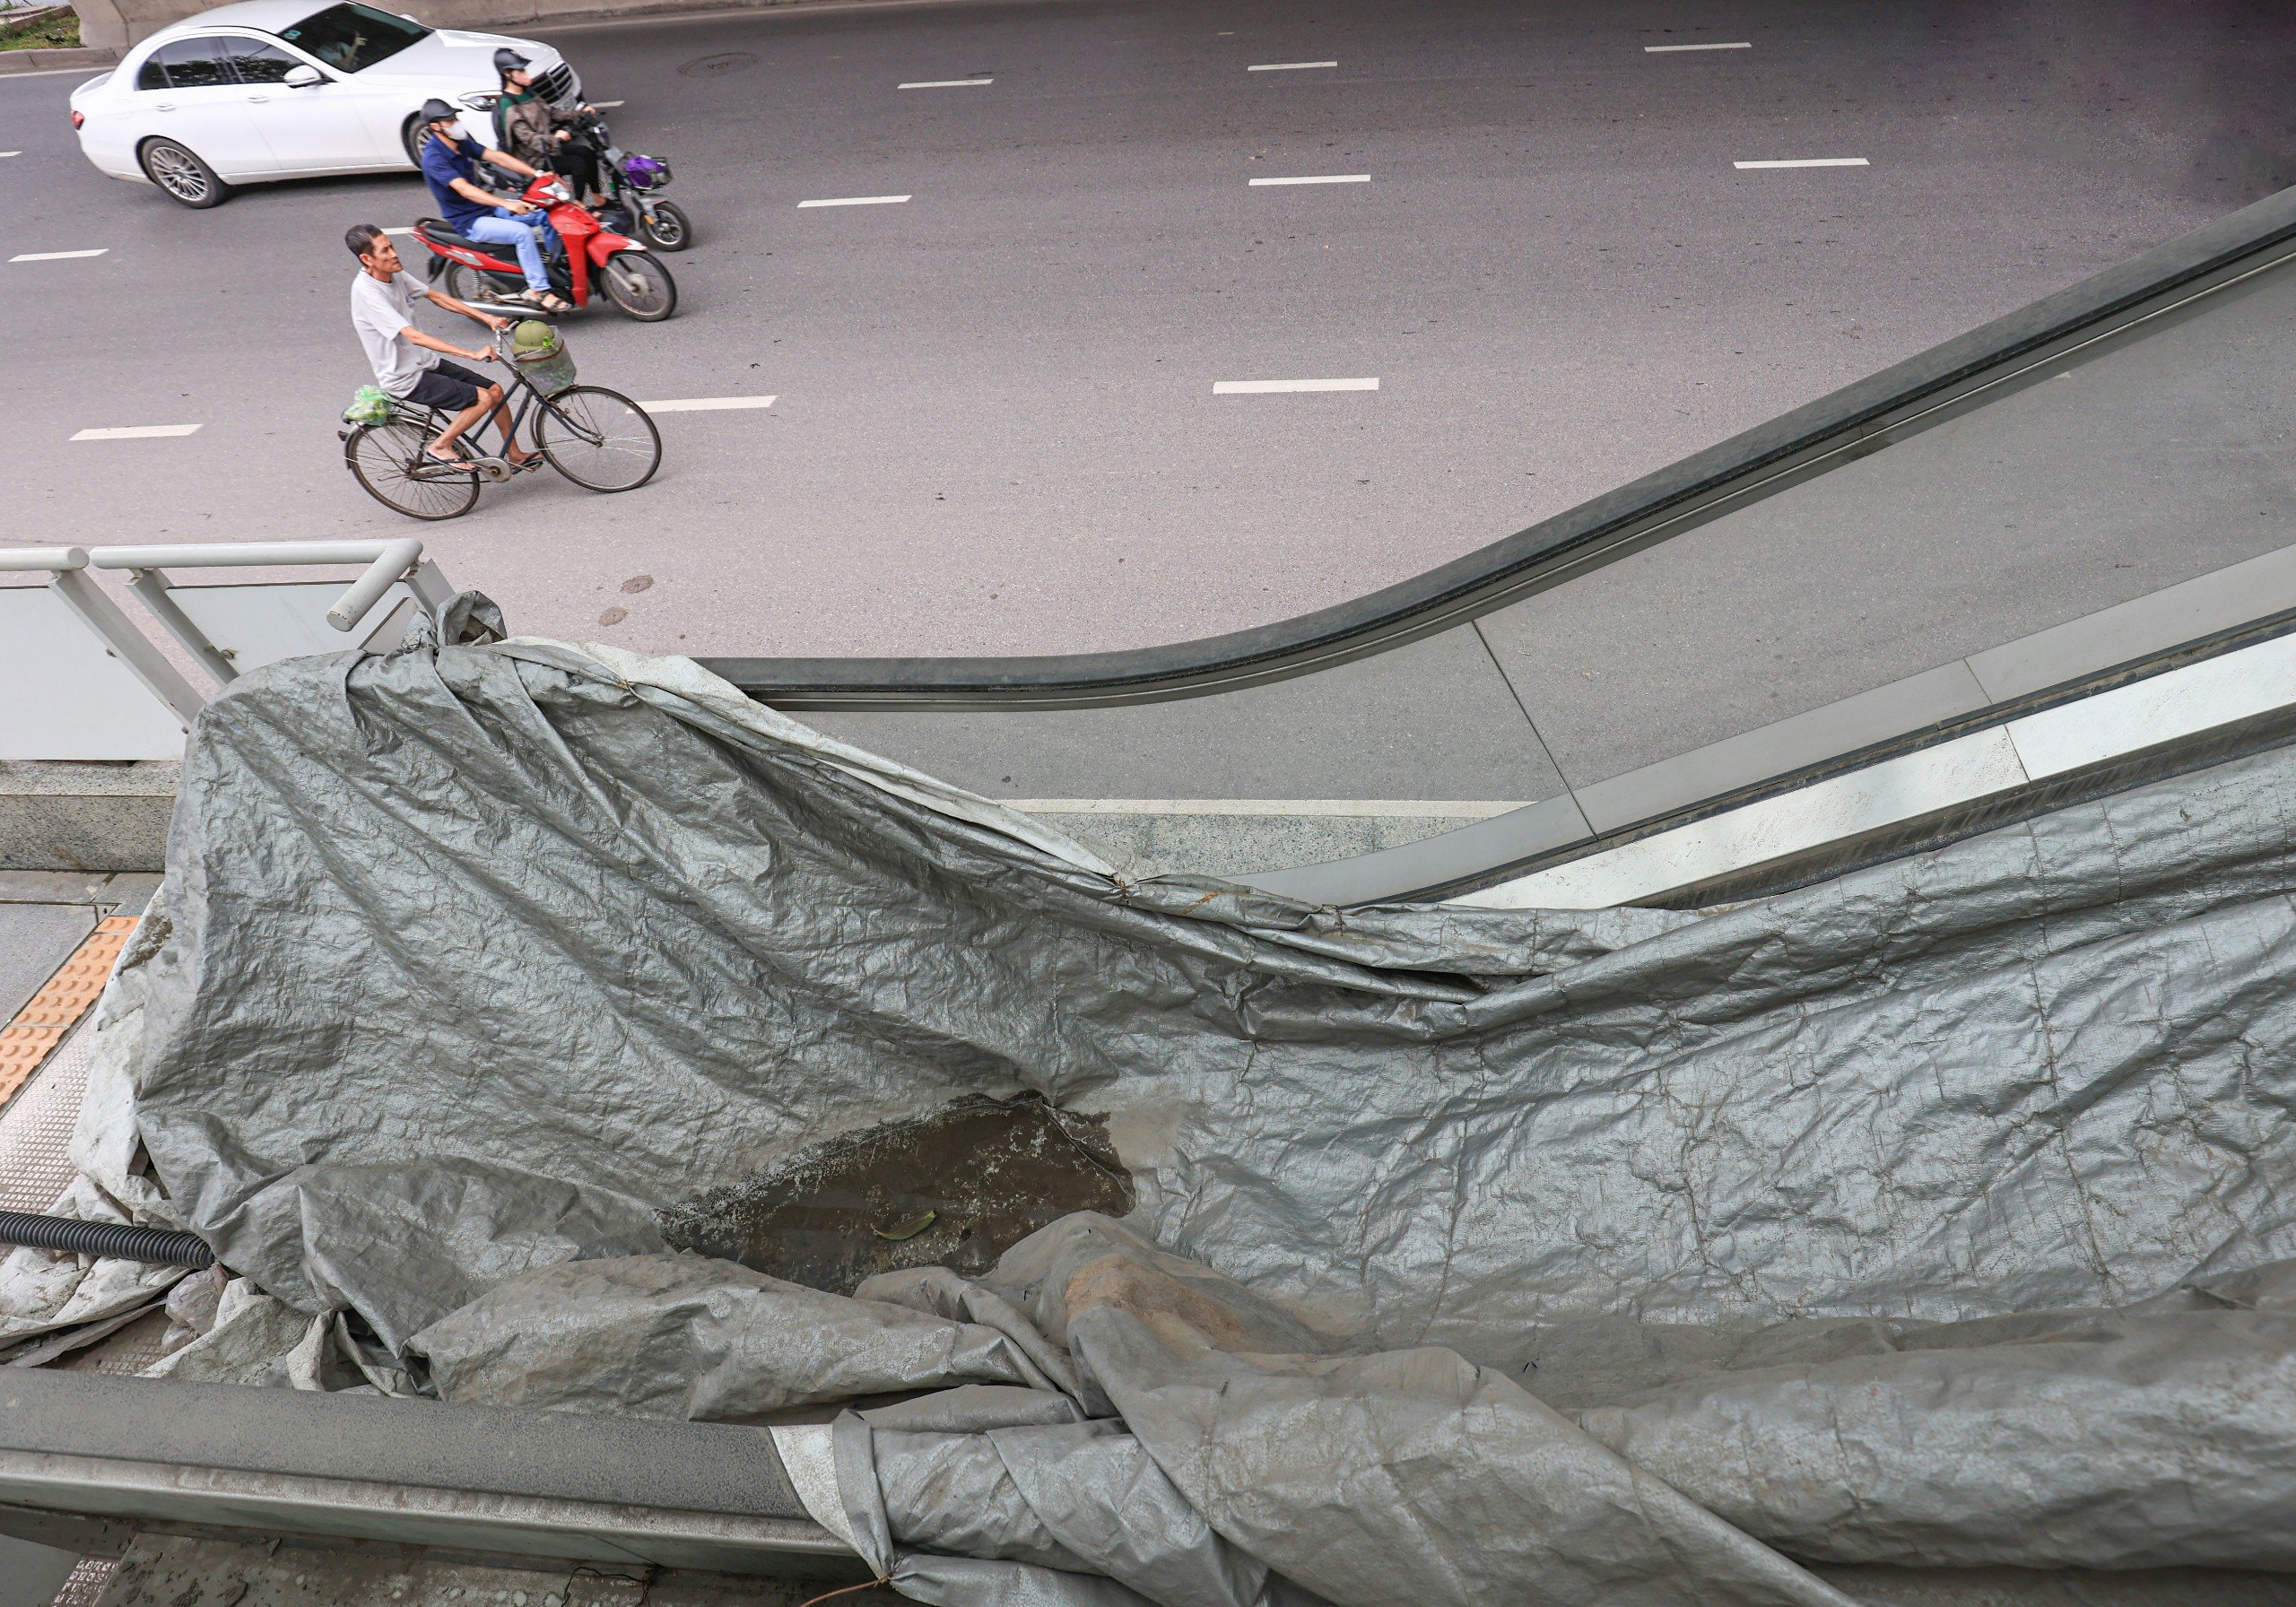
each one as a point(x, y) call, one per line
point(450, 388)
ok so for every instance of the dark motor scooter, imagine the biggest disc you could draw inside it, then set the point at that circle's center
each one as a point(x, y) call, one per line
point(632, 185)
point(595, 259)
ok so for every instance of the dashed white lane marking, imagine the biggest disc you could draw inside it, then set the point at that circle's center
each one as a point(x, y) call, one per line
point(1289, 66)
point(1810, 162)
point(602, 105)
point(10, 153)
point(55, 255)
point(857, 201)
point(1261, 388)
point(409, 229)
point(708, 404)
point(946, 83)
point(1319, 179)
point(134, 433)
point(1669, 49)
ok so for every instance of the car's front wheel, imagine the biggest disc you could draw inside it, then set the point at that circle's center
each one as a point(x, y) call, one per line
point(415, 133)
point(179, 171)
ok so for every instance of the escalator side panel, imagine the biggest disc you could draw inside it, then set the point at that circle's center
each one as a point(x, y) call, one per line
point(1433, 720)
point(2159, 460)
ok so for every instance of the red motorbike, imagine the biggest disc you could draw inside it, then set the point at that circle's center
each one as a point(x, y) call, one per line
point(595, 259)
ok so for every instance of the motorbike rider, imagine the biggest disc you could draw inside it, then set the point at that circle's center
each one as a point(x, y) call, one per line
point(406, 360)
point(450, 162)
point(534, 131)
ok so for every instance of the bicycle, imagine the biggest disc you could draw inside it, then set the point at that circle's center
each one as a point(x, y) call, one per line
point(598, 439)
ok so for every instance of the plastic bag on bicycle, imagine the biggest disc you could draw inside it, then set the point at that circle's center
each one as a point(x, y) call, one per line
point(369, 404)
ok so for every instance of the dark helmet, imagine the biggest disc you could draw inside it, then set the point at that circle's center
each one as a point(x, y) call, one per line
point(435, 110)
point(508, 61)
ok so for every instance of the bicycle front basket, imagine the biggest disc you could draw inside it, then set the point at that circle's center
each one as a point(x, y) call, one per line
point(541, 356)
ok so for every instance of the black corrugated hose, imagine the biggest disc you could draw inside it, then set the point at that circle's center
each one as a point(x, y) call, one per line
point(117, 1240)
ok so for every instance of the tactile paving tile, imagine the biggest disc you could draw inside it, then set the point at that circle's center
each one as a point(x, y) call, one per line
point(36, 1128)
point(125, 1353)
point(40, 1026)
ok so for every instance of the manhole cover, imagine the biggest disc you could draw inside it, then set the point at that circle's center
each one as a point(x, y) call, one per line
point(717, 65)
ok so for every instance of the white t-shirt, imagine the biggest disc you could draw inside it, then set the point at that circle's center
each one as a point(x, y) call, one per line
point(378, 312)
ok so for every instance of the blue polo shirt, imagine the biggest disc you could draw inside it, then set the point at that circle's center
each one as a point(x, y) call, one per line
point(444, 161)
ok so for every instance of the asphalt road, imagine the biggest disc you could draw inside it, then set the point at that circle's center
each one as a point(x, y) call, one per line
point(995, 428)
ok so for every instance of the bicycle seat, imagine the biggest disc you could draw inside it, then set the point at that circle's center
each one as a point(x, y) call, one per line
point(435, 229)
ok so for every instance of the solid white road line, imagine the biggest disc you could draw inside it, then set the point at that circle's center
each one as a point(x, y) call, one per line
point(858, 201)
point(1289, 66)
point(1809, 161)
point(134, 433)
point(1322, 178)
point(1669, 49)
point(57, 256)
point(946, 83)
point(707, 403)
point(1261, 388)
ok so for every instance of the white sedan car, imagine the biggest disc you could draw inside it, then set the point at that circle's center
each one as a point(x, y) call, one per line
point(276, 89)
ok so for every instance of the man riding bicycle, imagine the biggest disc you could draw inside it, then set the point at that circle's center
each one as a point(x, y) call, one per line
point(405, 360)
point(450, 162)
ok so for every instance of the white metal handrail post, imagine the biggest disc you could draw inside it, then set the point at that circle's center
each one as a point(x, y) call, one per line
point(387, 563)
point(151, 588)
point(68, 579)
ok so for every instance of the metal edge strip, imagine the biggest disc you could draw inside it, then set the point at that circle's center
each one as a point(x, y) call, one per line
point(2192, 702)
point(111, 1488)
point(1858, 730)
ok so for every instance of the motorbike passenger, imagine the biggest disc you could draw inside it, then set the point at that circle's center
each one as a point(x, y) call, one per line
point(406, 361)
point(451, 167)
point(534, 131)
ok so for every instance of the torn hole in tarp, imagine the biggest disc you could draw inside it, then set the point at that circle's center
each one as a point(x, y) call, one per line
point(956, 1188)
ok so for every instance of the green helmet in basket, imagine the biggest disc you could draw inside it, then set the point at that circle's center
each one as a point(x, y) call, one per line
point(533, 339)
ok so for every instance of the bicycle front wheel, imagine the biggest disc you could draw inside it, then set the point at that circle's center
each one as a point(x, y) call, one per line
point(392, 462)
point(598, 439)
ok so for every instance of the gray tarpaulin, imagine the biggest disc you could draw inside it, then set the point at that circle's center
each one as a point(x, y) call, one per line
point(1581, 1256)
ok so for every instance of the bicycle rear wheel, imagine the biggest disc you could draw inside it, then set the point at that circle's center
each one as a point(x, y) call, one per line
point(598, 439)
point(389, 461)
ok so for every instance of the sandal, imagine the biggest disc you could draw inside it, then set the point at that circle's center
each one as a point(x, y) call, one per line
point(433, 464)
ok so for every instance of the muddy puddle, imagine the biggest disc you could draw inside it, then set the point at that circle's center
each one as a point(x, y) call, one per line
point(953, 1189)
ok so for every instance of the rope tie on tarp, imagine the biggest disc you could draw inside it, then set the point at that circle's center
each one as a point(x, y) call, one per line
point(116, 1241)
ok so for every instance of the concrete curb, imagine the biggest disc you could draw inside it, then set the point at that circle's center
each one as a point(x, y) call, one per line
point(52, 61)
point(110, 26)
point(86, 817)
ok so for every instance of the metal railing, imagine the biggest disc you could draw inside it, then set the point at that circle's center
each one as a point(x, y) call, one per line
point(387, 564)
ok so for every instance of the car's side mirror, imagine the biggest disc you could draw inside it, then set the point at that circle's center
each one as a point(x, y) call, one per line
point(302, 76)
